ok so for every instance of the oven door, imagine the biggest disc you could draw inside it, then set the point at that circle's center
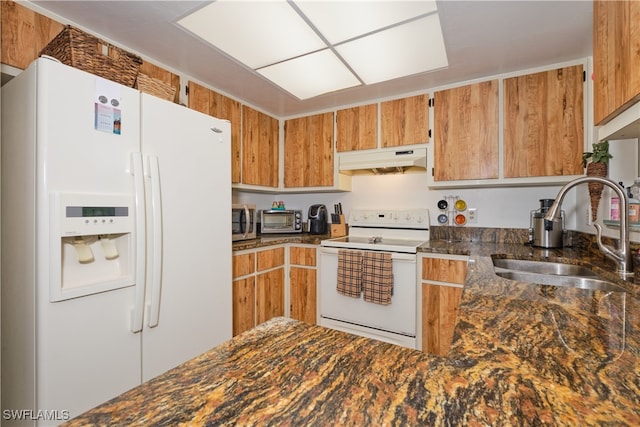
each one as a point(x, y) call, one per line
point(356, 315)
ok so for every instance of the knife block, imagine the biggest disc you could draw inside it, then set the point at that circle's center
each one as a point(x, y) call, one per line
point(339, 230)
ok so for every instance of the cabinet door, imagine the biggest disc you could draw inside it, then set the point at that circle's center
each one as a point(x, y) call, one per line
point(357, 128)
point(466, 132)
point(300, 255)
point(439, 311)
point(24, 34)
point(244, 305)
point(214, 104)
point(616, 57)
point(543, 123)
point(270, 295)
point(404, 121)
point(440, 302)
point(308, 151)
point(259, 148)
point(303, 294)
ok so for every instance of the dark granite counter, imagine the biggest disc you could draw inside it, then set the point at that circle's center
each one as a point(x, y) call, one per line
point(544, 355)
point(278, 239)
point(522, 354)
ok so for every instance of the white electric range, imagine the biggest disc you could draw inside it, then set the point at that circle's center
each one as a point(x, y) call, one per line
point(399, 232)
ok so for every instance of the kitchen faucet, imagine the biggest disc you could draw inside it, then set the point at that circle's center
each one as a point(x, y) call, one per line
point(621, 256)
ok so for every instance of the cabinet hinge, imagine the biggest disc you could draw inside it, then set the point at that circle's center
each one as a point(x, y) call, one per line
point(431, 102)
point(429, 133)
point(584, 76)
point(186, 90)
point(433, 171)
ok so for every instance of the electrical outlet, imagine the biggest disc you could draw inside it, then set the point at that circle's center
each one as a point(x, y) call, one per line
point(472, 216)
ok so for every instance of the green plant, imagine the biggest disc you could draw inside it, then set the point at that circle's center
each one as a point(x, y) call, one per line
point(600, 154)
point(596, 162)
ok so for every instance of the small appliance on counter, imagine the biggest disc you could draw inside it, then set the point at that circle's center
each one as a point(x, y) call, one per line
point(243, 221)
point(317, 219)
point(273, 221)
point(540, 237)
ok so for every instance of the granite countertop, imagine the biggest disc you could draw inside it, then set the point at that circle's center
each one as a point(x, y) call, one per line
point(531, 354)
point(265, 240)
point(522, 354)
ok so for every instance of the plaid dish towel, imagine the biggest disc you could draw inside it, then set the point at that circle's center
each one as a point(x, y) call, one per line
point(349, 273)
point(377, 277)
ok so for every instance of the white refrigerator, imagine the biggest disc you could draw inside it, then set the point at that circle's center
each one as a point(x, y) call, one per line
point(116, 240)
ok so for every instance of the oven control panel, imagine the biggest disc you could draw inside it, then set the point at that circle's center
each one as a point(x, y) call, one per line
point(392, 218)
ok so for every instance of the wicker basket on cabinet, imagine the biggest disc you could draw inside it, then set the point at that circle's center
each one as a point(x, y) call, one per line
point(86, 52)
point(156, 87)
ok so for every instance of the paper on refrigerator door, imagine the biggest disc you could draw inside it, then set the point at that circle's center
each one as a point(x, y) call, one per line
point(108, 106)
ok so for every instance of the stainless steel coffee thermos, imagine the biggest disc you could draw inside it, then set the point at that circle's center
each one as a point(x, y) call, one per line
point(540, 237)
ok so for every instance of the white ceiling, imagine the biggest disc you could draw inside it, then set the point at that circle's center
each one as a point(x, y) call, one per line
point(482, 38)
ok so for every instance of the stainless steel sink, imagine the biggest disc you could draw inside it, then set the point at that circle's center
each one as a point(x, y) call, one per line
point(553, 274)
point(542, 267)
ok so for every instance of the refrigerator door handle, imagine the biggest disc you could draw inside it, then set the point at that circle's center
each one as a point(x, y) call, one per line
point(156, 266)
point(140, 255)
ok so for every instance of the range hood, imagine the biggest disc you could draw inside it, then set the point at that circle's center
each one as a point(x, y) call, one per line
point(383, 161)
point(625, 125)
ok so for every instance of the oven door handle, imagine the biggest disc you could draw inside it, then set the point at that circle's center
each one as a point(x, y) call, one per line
point(395, 256)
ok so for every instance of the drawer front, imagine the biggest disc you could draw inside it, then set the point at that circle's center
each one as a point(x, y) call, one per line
point(444, 270)
point(243, 264)
point(270, 258)
point(302, 256)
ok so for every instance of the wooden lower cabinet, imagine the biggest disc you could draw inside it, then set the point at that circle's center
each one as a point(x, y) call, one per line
point(244, 302)
point(258, 287)
point(441, 288)
point(270, 295)
point(303, 283)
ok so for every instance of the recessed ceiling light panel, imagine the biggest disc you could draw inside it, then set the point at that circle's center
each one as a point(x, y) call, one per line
point(256, 33)
point(339, 21)
point(311, 75)
point(401, 51)
point(313, 47)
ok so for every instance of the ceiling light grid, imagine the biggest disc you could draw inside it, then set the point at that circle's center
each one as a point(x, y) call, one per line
point(310, 48)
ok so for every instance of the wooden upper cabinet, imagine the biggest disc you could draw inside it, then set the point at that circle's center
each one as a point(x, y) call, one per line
point(259, 148)
point(466, 134)
point(544, 123)
point(200, 98)
point(308, 151)
point(214, 104)
point(616, 57)
point(24, 34)
point(357, 128)
point(405, 121)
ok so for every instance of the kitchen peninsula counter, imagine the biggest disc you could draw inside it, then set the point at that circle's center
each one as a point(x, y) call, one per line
point(522, 354)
